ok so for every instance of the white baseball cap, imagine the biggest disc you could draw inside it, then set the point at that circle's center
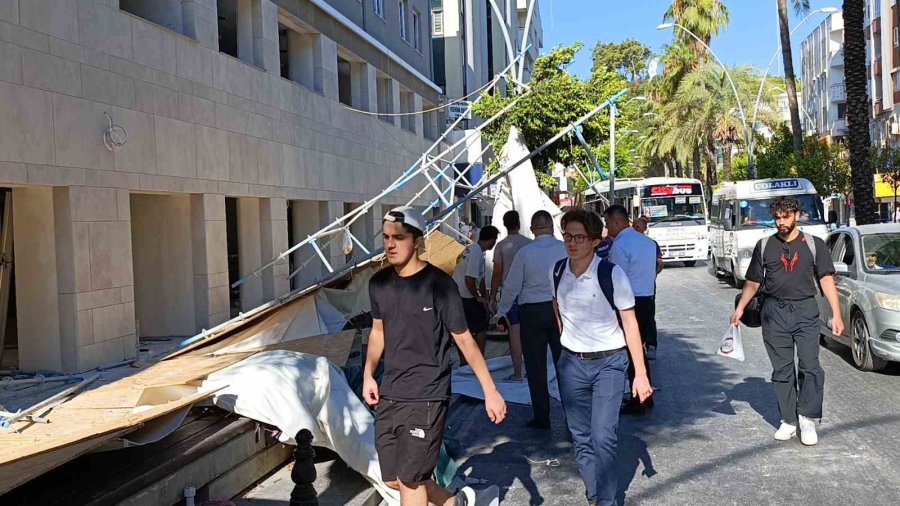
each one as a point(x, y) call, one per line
point(408, 216)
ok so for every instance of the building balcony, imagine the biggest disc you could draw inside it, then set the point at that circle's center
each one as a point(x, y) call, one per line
point(837, 60)
point(837, 92)
point(876, 25)
point(839, 128)
point(878, 107)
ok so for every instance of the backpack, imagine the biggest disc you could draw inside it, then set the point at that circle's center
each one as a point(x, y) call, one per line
point(604, 277)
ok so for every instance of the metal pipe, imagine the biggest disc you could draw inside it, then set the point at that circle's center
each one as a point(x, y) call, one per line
point(49, 402)
point(39, 380)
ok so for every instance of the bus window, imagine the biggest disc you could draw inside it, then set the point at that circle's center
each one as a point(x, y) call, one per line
point(755, 213)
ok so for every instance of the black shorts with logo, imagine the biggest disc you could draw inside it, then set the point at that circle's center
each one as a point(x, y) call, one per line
point(408, 437)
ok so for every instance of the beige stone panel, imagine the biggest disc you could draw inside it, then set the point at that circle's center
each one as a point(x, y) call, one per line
point(218, 279)
point(219, 300)
point(110, 254)
point(243, 158)
point(111, 179)
point(155, 99)
point(127, 293)
point(216, 256)
point(9, 10)
point(10, 63)
point(259, 126)
point(25, 125)
point(99, 298)
point(196, 110)
point(212, 153)
point(97, 59)
point(270, 163)
point(231, 119)
point(66, 49)
point(152, 182)
point(93, 204)
point(250, 248)
point(175, 148)
point(107, 87)
point(51, 73)
point(78, 127)
point(233, 189)
point(85, 327)
point(81, 256)
point(107, 352)
point(211, 94)
point(13, 173)
point(21, 36)
point(293, 175)
point(193, 185)
point(123, 203)
point(55, 17)
point(153, 46)
point(105, 29)
point(113, 321)
point(194, 62)
point(138, 155)
point(129, 68)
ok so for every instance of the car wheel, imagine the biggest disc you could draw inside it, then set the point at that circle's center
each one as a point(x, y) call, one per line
point(690, 263)
point(859, 346)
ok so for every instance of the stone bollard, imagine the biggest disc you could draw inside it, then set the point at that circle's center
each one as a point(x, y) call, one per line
point(304, 472)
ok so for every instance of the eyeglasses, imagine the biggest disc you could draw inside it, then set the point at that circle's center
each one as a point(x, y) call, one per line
point(579, 238)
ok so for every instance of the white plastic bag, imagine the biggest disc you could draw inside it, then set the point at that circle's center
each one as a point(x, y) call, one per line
point(731, 346)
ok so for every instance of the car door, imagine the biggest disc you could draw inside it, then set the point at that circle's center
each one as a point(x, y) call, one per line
point(846, 282)
point(834, 245)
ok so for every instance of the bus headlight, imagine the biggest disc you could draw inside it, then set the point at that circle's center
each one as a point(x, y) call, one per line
point(888, 301)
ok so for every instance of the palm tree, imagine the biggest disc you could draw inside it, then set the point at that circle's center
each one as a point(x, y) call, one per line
point(855, 79)
point(705, 18)
point(784, 29)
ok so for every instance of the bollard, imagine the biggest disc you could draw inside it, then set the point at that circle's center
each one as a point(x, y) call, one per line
point(304, 472)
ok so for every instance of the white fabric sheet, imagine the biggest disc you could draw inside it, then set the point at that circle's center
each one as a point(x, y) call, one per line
point(464, 381)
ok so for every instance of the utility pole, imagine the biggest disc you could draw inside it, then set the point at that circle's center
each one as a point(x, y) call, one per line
point(613, 111)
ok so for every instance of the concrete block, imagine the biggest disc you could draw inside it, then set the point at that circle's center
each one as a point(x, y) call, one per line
point(93, 204)
point(110, 351)
point(67, 50)
point(153, 46)
point(110, 254)
point(123, 203)
point(111, 178)
point(10, 63)
point(212, 153)
point(104, 29)
point(259, 126)
point(25, 125)
point(127, 293)
point(81, 256)
point(85, 322)
point(231, 119)
point(51, 73)
point(107, 87)
point(211, 94)
point(78, 128)
point(98, 299)
point(216, 254)
point(214, 207)
point(194, 62)
point(113, 321)
point(243, 158)
point(130, 69)
point(175, 148)
point(13, 173)
point(9, 10)
point(58, 18)
point(233, 189)
point(196, 110)
point(154, 99)
point(165, 79)
point(97, 59)
point(21, 36)
point(138, 155)
point(219, 300)
point(291, 169)
point(270, 163)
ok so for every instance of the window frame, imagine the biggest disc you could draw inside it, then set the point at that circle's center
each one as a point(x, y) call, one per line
point(378, 7)
point(403, 7)
point(417, 30)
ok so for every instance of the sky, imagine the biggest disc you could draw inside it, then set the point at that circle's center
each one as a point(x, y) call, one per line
point(750, 38)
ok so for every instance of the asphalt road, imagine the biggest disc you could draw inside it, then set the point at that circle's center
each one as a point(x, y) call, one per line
point(709, 439)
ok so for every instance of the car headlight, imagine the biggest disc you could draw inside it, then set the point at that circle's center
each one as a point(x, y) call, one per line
point(746, 254)
point(888, 301)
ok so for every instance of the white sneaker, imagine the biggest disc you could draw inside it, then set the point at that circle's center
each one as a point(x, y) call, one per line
point(808, 434)
point(651, 352)
point(785, 432)
point(485, 497)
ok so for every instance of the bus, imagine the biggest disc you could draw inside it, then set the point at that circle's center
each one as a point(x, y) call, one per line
point(740, 217)
point(676, 210)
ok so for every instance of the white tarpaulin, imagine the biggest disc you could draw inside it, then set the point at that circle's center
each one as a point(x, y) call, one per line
point(464, 381)
point(294, 391)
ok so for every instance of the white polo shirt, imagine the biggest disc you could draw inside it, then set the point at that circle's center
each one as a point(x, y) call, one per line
point(469, 264)
point(635, 253)
point(589, 323)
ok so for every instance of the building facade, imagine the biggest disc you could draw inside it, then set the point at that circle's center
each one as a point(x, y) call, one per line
point(823, 97)
point(154, 151)
point(883, 65)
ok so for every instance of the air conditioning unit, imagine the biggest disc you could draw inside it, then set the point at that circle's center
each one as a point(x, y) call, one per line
point(895, 128)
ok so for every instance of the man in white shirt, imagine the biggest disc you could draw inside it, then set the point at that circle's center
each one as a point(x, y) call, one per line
point(636, 254)
point(504, 253)
point(527, 282)
point(592, 296)
point(469, 277)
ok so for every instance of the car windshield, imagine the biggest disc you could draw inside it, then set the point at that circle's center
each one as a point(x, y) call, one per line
point(675, 208)
point(755, 213)
point(882, 252)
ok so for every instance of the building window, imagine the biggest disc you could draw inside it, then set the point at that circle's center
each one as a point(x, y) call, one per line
point(437, 22)
point(842, 111)
point(403, 9)
point(378, 6)
point(417, 30)
point(166, 13)
point(896, 37)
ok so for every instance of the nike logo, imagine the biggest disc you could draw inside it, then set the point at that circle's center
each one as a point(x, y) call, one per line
point(427, 309)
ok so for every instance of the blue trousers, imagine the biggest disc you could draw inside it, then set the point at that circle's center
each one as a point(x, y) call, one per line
point(591, 393)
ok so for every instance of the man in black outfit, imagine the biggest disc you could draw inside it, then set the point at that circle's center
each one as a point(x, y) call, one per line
point(416, 308)
point(789, 271)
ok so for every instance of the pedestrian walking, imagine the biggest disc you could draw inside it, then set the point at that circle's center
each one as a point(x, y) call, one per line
point(637, 255)
point(592, 296)
point(416, 309)
point(528, 283)
point(642, 224)
point(504, 253)
point(469, 276)
point(789, 265)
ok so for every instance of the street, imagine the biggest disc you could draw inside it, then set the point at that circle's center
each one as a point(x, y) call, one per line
point(709, 439)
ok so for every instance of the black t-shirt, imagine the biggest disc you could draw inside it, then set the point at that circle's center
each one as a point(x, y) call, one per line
point(790, 272)
point(418, 312)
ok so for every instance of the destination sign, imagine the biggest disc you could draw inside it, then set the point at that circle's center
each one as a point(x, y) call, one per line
point(784, 184)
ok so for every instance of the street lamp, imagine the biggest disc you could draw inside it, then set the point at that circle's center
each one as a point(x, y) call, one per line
point(823, 10)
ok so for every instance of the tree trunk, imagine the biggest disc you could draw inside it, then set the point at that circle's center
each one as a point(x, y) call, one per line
point(679, 169)
point(858, 111)
point(695, 164)
point(726, 161)
point(789, 81)
point(711, 176)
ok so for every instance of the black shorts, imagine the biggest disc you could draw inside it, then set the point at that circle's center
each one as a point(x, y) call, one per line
point(408, 437)
point(476, 315)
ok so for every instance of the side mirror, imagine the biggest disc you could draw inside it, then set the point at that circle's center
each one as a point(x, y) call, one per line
point(841, 268)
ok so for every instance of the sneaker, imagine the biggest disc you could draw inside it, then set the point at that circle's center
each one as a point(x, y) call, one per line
point(485, 497)
point(808, 434)
point(785, 432)
point(651, 352)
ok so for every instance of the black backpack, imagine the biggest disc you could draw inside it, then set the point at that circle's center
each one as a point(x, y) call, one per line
point(604, 277)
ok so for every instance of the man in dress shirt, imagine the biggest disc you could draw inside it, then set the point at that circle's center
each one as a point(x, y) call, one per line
point(527, 281)
point(636, 254)
point(504, 253)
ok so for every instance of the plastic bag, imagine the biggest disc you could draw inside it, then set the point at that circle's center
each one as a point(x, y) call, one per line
point(731, 346)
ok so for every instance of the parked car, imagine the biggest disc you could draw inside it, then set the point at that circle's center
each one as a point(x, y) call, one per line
point(867, 261)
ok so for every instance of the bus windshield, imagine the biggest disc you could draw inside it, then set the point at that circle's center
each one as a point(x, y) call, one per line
point(755, 213)
point(674, 208)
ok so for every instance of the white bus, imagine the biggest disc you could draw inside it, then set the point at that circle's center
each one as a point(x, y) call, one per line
point(740, 217)
point(676, 210)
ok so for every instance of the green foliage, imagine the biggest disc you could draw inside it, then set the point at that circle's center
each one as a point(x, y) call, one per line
point(773, 156)
point(705, 18)
point(628, 59)
point(825, 165)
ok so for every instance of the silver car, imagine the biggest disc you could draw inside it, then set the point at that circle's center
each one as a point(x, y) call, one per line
point(867, 261)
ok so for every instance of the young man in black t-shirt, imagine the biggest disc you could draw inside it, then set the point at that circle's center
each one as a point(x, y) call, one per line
point(790, 316)
point(416, 308)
